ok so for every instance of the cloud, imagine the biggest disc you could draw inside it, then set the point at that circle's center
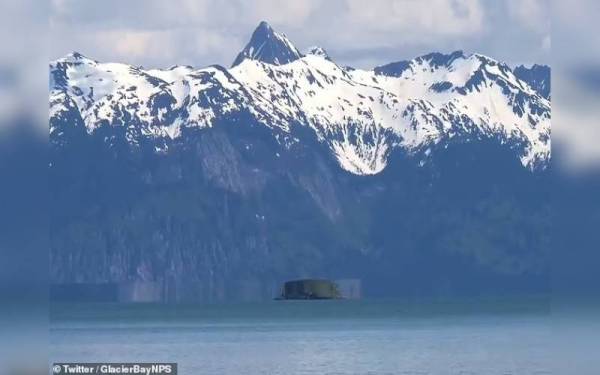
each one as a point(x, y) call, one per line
point(435, 17)
point(532, 14)
point(399, 28)
point(24, 60)
point(291, 13)
point(575, 118)
point(547, 43)
point(576, 82)
point(217, 30)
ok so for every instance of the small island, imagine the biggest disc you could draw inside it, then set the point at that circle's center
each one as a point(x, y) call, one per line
point(309, 289)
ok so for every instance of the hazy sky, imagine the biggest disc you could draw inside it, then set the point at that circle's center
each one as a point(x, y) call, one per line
point(158, 33)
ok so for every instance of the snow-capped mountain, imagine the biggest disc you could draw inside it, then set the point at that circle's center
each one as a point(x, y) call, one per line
point(361, 115)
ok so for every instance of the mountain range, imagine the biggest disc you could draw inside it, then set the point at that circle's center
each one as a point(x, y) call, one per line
point(414, 176)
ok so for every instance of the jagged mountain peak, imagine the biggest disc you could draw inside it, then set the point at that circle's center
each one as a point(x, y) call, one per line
point(268, 46)
point(537, 76)
point(318, 51)
point(75, 58)
point(437, 59)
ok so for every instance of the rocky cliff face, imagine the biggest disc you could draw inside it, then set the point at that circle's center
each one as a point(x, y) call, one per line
point(219, 184)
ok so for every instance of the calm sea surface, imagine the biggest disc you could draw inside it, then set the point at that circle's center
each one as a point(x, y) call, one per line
point(311, 337)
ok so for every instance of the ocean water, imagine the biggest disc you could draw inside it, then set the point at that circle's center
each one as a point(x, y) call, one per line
point(311, 337)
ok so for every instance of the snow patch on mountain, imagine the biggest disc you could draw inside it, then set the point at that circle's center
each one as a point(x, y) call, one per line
point(318, 51)
point(361, 115)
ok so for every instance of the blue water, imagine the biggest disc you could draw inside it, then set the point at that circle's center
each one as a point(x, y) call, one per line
point(310, 337)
